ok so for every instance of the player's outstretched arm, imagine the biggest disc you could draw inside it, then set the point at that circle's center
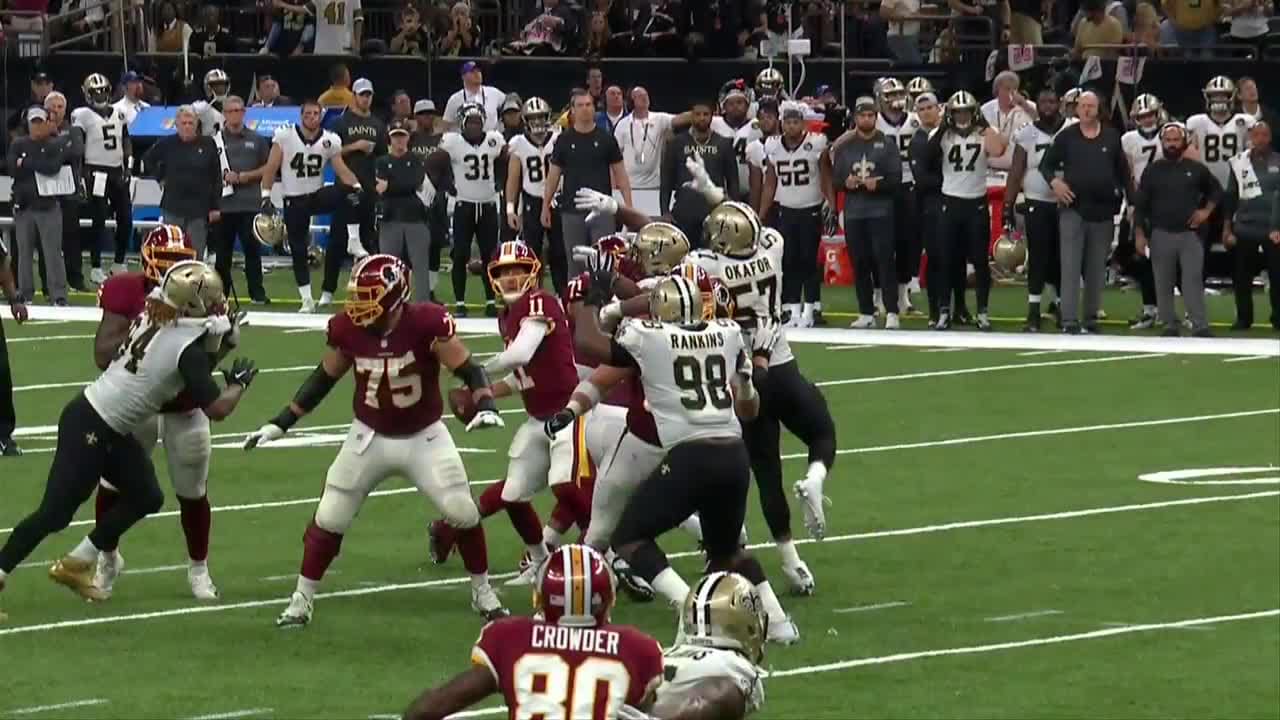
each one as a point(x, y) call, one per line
point(461, 692)
point(521, 349)
point(309, 396)
point(717, 698)
point(455, 356)
point(587, 395)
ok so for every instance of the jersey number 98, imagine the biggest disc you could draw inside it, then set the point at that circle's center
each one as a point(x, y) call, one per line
point(566, 693)
point(710, 386)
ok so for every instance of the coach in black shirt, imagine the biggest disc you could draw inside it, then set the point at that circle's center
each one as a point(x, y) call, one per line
point(584, 156)
point(1095, 174)
point(187, 166)
point(717, 155)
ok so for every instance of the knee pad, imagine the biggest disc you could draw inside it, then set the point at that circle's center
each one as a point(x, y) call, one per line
point(337, 509)
point(460, 510)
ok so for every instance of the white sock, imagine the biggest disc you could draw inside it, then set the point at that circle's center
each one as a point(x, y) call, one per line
point(305, 292)
point(198, 567)
point(817, 471)
point(431, 279)
point(787, 549)
point(1033, 299)
point(326, 298)
point(552, 537)
point(794, 310)
point(671, 585)
point(85, 551)
point(537, 553)
point(772, 606)
point(806, 309)
point(817, 306)
point(3, 575)
point(1149, 309)
point(479, 580)
point(353, 232)
point(307, 587)
point(693, 526)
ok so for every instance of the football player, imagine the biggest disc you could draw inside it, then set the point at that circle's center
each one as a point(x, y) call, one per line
point(900, 126)
point(166, 352)
point(1030, 142)
point(570, 662)
point(299, 153)
point(1142, 146)
point(396, 349)
point(769, 125)
point(217, 86)
point(108, 152)
point(734, 122)
point(1069, 100)
point(918, 86)
point(1218, 135)
point(182, 427)
point(770, 84)
point(698, 381)
point(526, 183)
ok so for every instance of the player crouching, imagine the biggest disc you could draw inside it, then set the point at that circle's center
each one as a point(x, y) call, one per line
point(396, 349)
point(575, 663)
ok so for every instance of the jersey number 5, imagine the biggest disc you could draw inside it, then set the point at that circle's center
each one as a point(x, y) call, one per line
point(547, 688)
point(406, 388)
point(956, 157)
point(711, 385)
point(109, 141)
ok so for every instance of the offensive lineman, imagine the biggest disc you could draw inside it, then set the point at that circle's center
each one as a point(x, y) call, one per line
point(108, 151)
point(1041, 206)
point(300, 152)
point(396, 349)
point(1142, 146)
point(166, 352)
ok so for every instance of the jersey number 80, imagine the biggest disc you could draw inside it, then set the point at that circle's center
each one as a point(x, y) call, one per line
point(567, 693)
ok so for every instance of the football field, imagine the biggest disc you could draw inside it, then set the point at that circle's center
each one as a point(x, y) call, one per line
point(1009, 536)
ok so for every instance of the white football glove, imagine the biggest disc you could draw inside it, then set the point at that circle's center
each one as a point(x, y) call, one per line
point(217, 325)
point(595, 203)
point(765, 337)
point(239, 320)
point(265, 434)
point(486, 419)
point(585, 255)
point(702, 180)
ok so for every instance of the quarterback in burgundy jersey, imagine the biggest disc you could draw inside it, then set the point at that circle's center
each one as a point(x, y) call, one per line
point(183, 427)
point(574, 663)
point(396, 349)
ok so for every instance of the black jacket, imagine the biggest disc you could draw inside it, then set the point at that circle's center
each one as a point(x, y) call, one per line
point(189, 172)
point(1096, 169)
point(717, 154)
point(26, 157)
point(1171, 190)
point(404, 175)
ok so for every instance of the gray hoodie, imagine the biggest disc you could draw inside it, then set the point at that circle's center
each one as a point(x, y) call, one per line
point(877, 156)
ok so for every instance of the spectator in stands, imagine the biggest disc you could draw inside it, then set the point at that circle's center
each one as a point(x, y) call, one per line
point(1146, 26)
point(169, 32)
point(33, 17)
point(293, 27)
point(980, 21)
point(595, 85)
point(401, 108)
point(1192, 23)
point(614, 108)
point(211, 38)
point(1247, 90)
point(269, 93)
point(1097, 28)
point(339, 94)
point(598, 36)
point(1026, 25)
point(463, 38)
point(713, 28)
point(865, 32)
point(89, 17)
point(41, 86)
point(1249, 21)
point(413, 38)
point(903, 35)
point(474, 90)
point(654, 32)
point(776, 34)
point(38, 165)
point(131, 101)
point(551, 31)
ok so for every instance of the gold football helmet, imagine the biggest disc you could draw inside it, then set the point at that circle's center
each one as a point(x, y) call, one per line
point(732, 228)
point(659, 247)
point(769, 83)
point(891, 94)
point(676, 300)
point(1069, 100)
point(1010, 253)
point(724, 611)
point(193, 289)
point(97, 90)
point(537, 119)
point(918, 86)
point(269, 229)
point(1146, 113)
point(1220, 95)
point(217, 85)
point(962, 110)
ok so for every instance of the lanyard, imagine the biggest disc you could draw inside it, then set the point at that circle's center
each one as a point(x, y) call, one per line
point(644, 139)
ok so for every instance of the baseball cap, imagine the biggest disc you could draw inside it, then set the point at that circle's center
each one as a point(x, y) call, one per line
point(37, 113)
point(924, 98)
point(41, 76)
point(469, 66)
point(824, 90)
point(131, 76)
point(864, 103)
point(399, 126)
point(425, 106)
point(363, 85)
point(512, 103)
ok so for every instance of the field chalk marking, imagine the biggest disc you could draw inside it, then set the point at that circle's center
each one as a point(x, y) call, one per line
point(868, 608)
point(1022, 616)
point(59, 706)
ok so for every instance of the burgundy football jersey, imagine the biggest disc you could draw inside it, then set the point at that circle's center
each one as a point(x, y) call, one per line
point(546, 670)
point(576, 292)
point(398, 375)
point(548, 379)
point(126, 294)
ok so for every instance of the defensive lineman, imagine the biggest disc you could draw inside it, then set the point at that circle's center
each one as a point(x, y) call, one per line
point(108, 152)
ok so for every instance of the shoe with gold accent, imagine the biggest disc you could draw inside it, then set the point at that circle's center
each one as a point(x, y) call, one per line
point(78, 575)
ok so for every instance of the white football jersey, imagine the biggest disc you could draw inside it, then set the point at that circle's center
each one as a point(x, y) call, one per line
point(1034, 142)
point(799, 177)
point(1219, 143)
point(964, 166)
point(103, 136)
point(740, 136)
point(755, 154)
point(687, 373)
point(130, 108)
point(533, 161)
point(474, 165)
point(901, 134)
point(144, 374)
point(685, 665)
point(335, 26)
point(1141, 151)
point(756, 285)
point(210, 118)
point(303, 161)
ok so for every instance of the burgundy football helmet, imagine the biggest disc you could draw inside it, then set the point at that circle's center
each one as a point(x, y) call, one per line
point(379, 284)
point(511, 285)
point(717, 301)
point(575, 587)
point(162, 248)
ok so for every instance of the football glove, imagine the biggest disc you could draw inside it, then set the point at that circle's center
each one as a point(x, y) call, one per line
point(217, 325)
point(601, 290)
point(561, 420)
point(265, 434)
point(595, 203)
point(830, 220)
point(701, 181)
point(239, 320)
point(486, 419)
point(242, 373)
point(765, 337)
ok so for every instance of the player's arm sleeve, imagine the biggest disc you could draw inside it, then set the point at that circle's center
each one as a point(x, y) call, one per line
point(521, 350)
point(193, 366)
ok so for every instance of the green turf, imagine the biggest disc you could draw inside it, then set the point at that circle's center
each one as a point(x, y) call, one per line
point(369, 653)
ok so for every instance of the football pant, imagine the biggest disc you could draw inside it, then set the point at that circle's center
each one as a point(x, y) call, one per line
point(186, 449)
point(633, 461)
point(536, 461)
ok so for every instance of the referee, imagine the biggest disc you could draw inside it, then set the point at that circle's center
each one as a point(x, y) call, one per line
point(8, 421)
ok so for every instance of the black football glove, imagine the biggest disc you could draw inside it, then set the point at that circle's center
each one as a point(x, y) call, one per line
point(242, 373)
point(598, 261)
point(561, 420)
point(601, 290)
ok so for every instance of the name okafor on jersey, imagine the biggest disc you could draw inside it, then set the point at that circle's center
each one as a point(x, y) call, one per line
point(964, 166)
point(901, 134)
point(548, 379)
point(474, 166)
point(1219, 143)
point(798, 170)
point(687, 373)
point(1034, 142)
point(687, 665)
point(553, 671)
point(1141, 151)
point(144, 375)
point(533, 162)
point(756, 285)
point(103, 135)
point(302, 163)
point(397, 389)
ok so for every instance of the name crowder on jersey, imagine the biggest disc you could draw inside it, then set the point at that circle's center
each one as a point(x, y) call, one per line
point(748, 270)
point(587, 640)
point(700, 341)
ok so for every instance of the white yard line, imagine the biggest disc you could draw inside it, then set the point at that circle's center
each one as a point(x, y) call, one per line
point(985, 369)
point(946, 349)
point(42, 338)
point(847, 347)
point(1036, 353)
point(922, 530)
point(82, 383)
point(1022, 616)
point(232, 714)
point(299, 331)
point(1200, 628)
point(869, 608)
point(59, 706)
point(1247, 358)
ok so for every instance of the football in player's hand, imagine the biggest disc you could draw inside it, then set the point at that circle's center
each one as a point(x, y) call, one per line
point(462, 404)
point(475, 267)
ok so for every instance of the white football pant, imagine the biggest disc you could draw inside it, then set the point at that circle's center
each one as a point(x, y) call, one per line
point(186, 442)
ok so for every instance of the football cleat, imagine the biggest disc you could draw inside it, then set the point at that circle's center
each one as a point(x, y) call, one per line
point(944, 322)
point(485, 601)
point(632, 584)
point(864, 322)
point(110, 565)
point(801, 579)
point(891, 321)
point(1033, 323)
point(984, 322)
point(440, 542)
point(963, 318)
point(784, 633)
point(78, 575)
point(97, 276)
point(297, 614)
point(202, 586)
point(308, 306)
point(818, 319)
point(1145, 321)
point(528, 572)
point(809, 492)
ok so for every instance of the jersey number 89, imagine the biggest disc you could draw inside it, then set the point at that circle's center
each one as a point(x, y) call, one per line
point(1220, 148)
point(566, 693)
point(712, 386)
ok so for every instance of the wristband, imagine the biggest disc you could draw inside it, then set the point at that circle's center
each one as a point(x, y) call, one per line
point(357, 188)
point(266, 194)
point(588, 389)
point(574, 407)
point(286, 419)
point(511, 208)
